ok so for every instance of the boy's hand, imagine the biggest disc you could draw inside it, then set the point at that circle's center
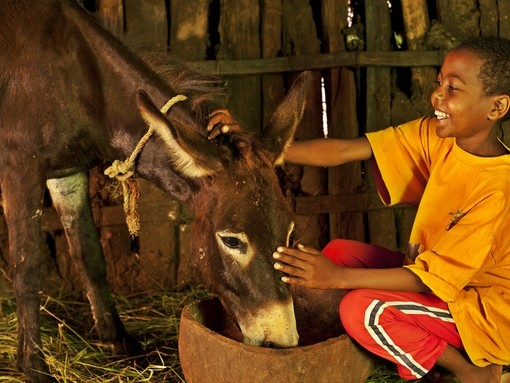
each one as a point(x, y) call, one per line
point(221, 122)
point(306, 266)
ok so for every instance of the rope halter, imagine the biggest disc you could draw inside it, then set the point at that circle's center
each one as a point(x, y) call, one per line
point(124, 171)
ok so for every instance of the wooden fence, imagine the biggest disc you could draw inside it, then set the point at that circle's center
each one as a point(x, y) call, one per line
point(377, 62)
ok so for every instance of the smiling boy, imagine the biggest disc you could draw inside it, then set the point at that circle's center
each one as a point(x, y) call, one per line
point(447, 305)
point(445, 301)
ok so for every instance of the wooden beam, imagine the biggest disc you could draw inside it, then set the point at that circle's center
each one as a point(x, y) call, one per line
point(320, 61)
point(338, 203)
point(114, 215)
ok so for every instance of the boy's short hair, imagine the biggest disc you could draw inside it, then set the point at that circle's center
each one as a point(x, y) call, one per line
point(495, 55)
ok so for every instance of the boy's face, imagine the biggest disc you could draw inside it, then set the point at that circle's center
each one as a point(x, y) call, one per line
point(461, 106)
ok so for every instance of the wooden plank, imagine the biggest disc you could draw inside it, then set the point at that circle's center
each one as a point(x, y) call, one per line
point(189, 28)
point(111, 15)
point(504, 18)
point(416, 22)
point(337, 203)
point(460, 17)
point(271, 44)
point(357, 59)
point(147, 21)
point(158, 258)
point(416, 25)
point(489, 17)
point(188, 39)
point(300, 38)
point(381, 223)
point(341, 96)
point(239, 30)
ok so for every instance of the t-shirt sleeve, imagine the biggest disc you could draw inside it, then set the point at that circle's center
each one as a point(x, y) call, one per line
point(402, 160)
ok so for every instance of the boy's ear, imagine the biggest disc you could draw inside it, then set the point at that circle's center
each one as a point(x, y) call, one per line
point(500, 107)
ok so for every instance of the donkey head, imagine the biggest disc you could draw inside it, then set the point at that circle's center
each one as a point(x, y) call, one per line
point(240, 215)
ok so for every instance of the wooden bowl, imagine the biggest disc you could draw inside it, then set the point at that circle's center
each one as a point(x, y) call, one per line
point(210, 352)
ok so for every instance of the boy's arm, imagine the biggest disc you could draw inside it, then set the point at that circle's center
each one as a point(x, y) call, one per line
point(318, 152)
point(308, 267)
point(328, 151)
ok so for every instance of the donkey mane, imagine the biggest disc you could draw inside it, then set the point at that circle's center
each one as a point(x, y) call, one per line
point(204, 91)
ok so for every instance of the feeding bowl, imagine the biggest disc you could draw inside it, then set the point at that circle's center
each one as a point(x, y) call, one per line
point(210, 352)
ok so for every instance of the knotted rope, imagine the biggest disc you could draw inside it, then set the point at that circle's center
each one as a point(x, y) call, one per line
point(124, 171)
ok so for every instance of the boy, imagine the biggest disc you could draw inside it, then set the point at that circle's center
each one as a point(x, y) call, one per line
point(444, 302)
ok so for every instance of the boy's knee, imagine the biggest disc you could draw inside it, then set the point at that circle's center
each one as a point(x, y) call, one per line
point(352, 311)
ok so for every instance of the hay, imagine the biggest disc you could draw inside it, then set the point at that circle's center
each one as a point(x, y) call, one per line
point(75, 355)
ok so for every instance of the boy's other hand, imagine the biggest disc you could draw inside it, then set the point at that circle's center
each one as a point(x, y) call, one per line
point(220, 121)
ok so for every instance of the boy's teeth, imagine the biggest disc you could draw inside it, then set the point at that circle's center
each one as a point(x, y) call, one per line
point(440, 115)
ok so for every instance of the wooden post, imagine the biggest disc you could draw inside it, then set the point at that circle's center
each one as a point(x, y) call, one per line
point(489, 17)
point(382, 230)
point(158, 253)
point(461, 18)
point(416, 25)
point(300, 38)
point(239, 29)
point(188, 29)
point(188, 40)
point(341, 96)
point(111, 15)
point(504, 18)
point(271, 32)
point(147, 20)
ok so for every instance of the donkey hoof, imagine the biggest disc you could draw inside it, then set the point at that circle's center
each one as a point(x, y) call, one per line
point(127, 347)
point(35, 368)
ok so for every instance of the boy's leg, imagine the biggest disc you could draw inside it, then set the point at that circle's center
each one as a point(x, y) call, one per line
point(350, 253)
point(410, 329)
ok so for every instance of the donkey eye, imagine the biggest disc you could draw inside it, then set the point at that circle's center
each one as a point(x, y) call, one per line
point(232, 242)
point(236, 245)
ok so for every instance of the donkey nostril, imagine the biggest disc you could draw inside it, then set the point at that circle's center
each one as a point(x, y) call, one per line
point(269, 345)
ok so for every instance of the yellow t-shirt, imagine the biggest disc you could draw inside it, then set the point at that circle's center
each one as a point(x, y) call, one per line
point(462, 228)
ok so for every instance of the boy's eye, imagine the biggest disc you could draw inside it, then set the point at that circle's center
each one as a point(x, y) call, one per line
point(450, 87)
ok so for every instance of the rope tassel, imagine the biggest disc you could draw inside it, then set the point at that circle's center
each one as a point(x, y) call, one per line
point(124, 171)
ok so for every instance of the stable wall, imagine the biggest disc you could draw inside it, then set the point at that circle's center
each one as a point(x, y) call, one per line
point(376, 73)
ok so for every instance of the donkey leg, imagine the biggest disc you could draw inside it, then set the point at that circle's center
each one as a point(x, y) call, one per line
point(70, 197)
point(22, 200)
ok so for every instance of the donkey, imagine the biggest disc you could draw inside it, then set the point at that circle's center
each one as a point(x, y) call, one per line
point(71, 95)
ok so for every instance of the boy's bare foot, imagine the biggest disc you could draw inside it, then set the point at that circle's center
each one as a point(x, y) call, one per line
point(489, 374)
point(456, 362)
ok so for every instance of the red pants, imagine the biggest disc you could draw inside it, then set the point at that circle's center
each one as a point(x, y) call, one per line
point(409, 329)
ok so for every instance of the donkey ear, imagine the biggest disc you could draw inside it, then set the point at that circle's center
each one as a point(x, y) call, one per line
point(279, 132)
point(192, 154)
